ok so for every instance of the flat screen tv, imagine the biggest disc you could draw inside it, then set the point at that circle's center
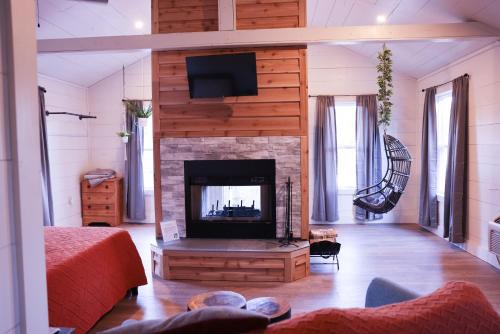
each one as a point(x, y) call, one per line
point(222, 75)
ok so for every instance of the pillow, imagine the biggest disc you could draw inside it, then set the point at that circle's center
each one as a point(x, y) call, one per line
point(207, 320)
point(456, 308)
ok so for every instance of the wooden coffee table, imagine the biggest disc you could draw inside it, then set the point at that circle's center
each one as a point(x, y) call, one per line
point(217, 298)
point(276, 309)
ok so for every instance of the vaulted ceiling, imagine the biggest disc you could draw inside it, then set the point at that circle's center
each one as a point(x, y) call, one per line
point(74, 18)
point(414, 58)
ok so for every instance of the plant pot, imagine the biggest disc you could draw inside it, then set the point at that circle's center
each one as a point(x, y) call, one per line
point(125, 139)
point(142, 122)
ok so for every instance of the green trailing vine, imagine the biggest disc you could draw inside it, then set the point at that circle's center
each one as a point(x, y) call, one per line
point(384, 80)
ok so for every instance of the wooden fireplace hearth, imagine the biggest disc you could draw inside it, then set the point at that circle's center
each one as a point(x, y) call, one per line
point(246, 260)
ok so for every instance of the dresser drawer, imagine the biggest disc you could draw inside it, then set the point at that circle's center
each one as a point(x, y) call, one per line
point(99, 210)
point(98, 198)
point(111, 221)
point(105, 187)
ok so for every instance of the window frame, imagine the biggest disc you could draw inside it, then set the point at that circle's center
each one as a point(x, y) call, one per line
point(442, 93)
point(148, 190)
point(343, 102)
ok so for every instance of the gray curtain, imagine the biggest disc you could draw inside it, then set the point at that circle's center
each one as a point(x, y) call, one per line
point(48, 207)
point(428, 207)
point(455, 191)
point(134, 181)
point(325, 202)
point(368, 154)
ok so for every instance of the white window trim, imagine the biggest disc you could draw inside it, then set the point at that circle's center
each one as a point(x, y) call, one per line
point(442, 91)
point(339, 102)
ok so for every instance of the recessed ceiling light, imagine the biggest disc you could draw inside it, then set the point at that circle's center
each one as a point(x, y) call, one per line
point(381, 18)
point(138, 24)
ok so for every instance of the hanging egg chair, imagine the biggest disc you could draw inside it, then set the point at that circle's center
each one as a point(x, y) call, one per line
point(383, 196)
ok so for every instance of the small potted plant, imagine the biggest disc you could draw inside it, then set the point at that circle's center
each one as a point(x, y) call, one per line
point(124, 136)
point(142, 115)
point(140, 112)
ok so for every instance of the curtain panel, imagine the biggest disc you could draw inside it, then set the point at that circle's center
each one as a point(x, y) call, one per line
point(325, 201)
point(134, 181)
point(48, 206)
point(428, 203)
point(455, 192)
point(368, 153)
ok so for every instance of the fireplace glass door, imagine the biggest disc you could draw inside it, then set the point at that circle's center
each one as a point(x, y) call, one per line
point(242, 203)
point(230, 198)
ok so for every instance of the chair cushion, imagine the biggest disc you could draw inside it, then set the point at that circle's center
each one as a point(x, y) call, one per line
point(458, 308)
point(209, 320)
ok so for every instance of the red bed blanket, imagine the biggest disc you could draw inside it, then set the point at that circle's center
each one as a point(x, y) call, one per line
point(89, 269)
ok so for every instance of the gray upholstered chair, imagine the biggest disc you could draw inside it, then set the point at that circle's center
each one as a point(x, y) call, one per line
point(382, 292)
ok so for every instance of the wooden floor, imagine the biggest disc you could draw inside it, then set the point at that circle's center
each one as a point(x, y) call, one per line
point(406, 254)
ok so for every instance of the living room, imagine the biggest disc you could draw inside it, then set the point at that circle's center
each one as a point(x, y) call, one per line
point(281, 155)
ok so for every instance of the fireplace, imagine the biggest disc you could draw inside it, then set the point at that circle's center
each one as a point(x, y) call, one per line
point(230, 199)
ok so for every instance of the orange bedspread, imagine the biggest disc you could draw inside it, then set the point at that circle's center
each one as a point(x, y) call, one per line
point(89, 269)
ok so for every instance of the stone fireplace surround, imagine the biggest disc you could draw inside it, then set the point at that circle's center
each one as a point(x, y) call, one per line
point(284, 149)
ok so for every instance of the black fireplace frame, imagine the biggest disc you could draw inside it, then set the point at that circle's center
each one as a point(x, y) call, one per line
point(230, 172)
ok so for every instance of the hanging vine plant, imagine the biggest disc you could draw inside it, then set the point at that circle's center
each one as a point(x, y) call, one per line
point(384, 80)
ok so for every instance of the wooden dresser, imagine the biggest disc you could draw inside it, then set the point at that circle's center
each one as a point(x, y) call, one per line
point(103, 203)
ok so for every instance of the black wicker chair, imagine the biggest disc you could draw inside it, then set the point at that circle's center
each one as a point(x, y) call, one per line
point(383, 196)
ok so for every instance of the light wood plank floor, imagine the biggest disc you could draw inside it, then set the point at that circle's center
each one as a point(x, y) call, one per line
point(405, 254)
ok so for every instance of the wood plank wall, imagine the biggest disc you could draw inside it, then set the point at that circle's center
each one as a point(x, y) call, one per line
point(279, 109)
point(268, 14)
point(184, 15)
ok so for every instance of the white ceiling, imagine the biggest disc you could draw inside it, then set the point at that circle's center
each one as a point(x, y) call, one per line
point(413, 58)
point(71, 18)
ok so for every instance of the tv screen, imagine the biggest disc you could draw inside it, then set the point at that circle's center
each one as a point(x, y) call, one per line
point(222, 75)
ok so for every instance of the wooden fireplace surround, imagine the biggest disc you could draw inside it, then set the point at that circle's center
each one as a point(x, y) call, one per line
point(230, 260)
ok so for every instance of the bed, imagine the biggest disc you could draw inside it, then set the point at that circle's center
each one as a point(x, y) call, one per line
point(89, 270)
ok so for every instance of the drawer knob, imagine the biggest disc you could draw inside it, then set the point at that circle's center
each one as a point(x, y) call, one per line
point(107, 207)
point(106, 186)
point(89, 206)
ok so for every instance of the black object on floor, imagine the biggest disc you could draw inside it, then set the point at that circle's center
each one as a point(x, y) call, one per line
point(326, 249)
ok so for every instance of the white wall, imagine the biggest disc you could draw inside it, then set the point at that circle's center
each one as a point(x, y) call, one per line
point(105, 101)
point(68, 147)
point(23, 296)
point(484, 141)
point(9, 320)
point(337, 70)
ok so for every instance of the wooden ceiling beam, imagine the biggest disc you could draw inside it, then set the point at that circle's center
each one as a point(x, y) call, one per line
point(264, 37)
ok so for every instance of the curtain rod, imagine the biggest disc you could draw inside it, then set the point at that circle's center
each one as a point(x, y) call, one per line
point(447, 82)
point(124, 100)
point(342, 95)
point(80, 116)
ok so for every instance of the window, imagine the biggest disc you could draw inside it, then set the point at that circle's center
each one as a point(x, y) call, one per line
point(443, 109)
point(345, 114)
point(147, 157)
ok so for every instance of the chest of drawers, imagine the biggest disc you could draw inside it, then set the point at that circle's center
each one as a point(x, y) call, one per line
point(103, 204)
